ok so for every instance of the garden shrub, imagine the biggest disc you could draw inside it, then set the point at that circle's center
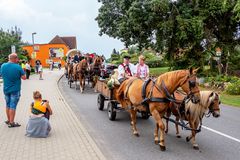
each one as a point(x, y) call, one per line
point(234, 88)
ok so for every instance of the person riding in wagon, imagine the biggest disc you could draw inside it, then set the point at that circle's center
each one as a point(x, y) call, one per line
point(126, 69)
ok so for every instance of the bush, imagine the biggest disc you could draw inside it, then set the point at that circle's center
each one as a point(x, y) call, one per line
point(233, 88)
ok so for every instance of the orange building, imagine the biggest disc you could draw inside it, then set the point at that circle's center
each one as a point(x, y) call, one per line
point(54, 51)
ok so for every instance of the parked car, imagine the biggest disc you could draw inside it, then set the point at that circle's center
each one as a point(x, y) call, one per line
point(108, 69)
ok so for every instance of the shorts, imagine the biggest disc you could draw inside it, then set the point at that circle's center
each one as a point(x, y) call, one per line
point(12, 99)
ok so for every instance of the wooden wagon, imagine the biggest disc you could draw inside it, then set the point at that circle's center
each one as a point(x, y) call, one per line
point(106, 94)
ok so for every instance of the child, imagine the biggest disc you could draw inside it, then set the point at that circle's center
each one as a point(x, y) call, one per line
point(40, 71)
point(38, 125)
point(40, 106)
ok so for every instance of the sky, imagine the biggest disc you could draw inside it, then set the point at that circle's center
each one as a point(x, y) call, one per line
point(49, 18)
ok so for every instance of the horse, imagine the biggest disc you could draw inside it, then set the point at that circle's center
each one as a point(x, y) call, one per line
point(66, 65)
point(193, 113)
point(130, 94)
point(70, 72)
point(82, 69)
point(95, 69)
point(79, 72)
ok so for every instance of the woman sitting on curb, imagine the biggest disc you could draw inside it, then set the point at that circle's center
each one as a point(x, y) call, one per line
point(38, 124)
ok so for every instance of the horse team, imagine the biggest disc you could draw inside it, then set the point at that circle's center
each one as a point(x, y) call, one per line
point(84, 70)
point(159, 97)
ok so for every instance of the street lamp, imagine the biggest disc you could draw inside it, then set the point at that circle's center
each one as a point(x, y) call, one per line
point(33, 37)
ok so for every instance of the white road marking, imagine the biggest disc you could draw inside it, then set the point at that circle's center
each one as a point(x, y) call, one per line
point(222, 134)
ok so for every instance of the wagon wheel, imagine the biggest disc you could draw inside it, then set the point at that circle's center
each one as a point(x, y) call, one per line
point(100, 102)
point(111, 111)
point(145, 115)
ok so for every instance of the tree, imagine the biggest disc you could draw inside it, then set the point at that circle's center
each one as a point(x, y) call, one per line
point(184, 29)
point(7, 39)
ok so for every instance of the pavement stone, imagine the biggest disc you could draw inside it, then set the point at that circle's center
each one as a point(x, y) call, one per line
point(68, 140)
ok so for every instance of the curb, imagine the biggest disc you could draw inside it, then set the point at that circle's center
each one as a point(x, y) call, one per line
point(89, 138)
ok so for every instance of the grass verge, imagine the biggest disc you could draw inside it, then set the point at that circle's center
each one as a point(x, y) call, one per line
point(232, 100)
point(158, 71)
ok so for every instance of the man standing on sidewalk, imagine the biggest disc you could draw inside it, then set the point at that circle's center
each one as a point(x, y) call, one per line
point(12, 73)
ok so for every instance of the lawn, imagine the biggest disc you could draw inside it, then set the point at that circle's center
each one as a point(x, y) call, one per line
point(232, 100)
point(158, 71)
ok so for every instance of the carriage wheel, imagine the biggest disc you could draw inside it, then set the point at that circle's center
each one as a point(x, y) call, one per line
point(100, 102)
point(111, 111)
point(145, 115)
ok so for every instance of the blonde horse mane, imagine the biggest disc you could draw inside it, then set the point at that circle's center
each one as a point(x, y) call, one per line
point(198, 110)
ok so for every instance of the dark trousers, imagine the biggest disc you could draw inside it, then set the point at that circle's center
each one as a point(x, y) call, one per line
point(121, 80)
point(47, 114)
point(28, 73)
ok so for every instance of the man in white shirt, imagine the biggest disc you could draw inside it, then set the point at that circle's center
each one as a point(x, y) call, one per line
point(126, 69)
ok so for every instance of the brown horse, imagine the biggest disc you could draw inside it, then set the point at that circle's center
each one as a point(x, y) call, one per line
point(129, 94)
point(79, 73)
point(70, 72)
point(95, 70)
point(193, 113)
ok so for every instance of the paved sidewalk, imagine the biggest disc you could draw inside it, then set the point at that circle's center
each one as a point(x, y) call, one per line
point(68, 140)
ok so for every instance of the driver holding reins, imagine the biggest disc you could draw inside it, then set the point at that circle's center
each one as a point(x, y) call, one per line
point(126, 69)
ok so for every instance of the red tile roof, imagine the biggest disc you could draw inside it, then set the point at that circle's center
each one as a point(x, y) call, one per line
point(71, 42)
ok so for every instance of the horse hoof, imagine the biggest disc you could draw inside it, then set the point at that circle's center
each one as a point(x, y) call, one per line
point(187, 139)
point(136, 134)
point(178, 136)
point(156, 142)
point(196, 147)
point(162, 148)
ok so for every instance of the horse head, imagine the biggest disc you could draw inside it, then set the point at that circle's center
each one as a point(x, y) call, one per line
point(98, 61)
point(190, 86)
point(214, 104)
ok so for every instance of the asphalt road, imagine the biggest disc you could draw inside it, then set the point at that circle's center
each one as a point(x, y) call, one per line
point(219, 139)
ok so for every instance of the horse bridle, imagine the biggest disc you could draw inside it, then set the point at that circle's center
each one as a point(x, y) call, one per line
point(210, 108)
point(192, 84)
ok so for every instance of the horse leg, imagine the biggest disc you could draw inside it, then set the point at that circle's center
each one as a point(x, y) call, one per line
point(81, 85)
point(168, 114)
point(195, 145)
point(192, 136)
point(161, 125)
point(133, 114)
point(83, 81)
point(156, 139)
point(176, 126)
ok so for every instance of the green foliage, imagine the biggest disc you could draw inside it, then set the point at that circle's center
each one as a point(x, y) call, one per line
point(185, 30)
point(222, 78)
point(7, 39)
point(233, 88)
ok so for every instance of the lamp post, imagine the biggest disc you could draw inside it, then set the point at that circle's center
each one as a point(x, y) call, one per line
point(33, 38)
point(33, 52)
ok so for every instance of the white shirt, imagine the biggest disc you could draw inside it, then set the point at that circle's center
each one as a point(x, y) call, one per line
point(121, 70)
point(28, 67)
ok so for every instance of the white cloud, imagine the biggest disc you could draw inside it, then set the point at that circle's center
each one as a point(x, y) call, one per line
point(57, 17)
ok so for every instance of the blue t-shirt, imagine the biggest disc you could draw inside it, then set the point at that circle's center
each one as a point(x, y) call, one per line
point(11, 74)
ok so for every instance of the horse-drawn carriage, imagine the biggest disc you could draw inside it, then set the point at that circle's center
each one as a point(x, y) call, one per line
point(154, 97)
point(86, 68)
point(107, 94)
